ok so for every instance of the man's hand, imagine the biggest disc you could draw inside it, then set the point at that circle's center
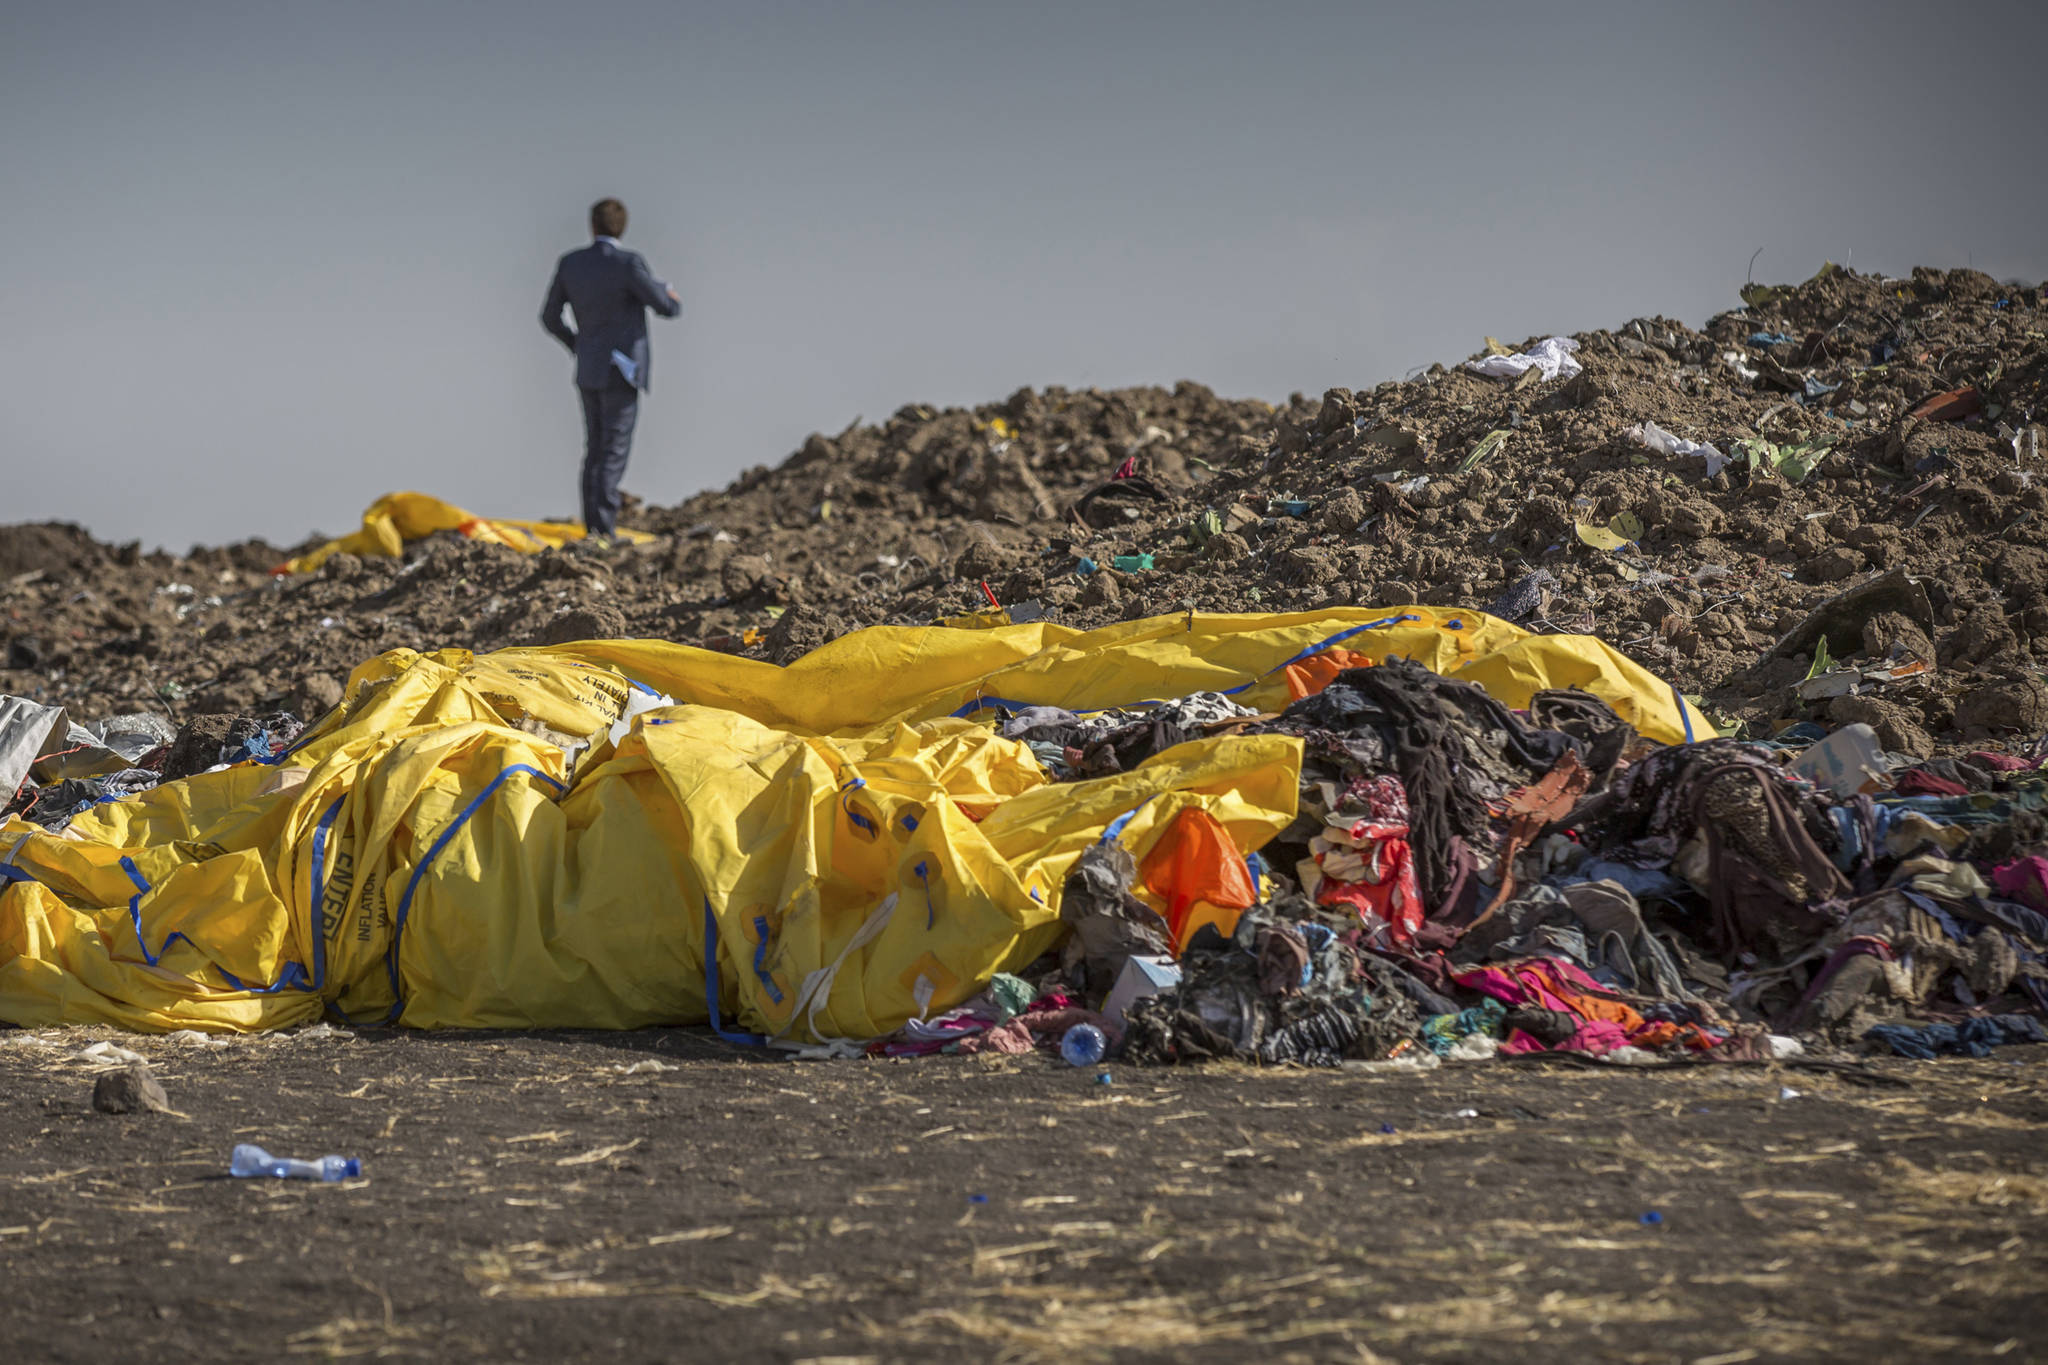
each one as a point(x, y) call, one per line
point(672, 293)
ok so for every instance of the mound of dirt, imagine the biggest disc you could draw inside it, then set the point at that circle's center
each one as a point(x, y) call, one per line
point(1834, 434)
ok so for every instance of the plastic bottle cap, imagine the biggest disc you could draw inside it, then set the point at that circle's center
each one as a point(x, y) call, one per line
point(352, 1168)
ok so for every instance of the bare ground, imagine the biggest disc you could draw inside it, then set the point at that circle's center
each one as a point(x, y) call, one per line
point(527, 1198)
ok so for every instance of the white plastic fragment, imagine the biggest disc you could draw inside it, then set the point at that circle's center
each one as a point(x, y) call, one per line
point(192, 1037)
point(1421, 1059)
point(1553, 357)
point(1474, 1047)
point(318, 1033)
point(1845, 762)
point(1653, 437)
point(637, 702)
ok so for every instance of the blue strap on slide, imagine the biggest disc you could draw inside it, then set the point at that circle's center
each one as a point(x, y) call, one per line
point(711, 984)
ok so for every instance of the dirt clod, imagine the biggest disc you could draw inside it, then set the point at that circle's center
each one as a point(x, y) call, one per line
point(132, 1089)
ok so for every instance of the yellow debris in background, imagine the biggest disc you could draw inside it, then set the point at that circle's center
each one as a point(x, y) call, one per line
point(396, 518)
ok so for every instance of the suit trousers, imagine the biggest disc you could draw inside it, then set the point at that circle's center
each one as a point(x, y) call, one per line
point(609, 412)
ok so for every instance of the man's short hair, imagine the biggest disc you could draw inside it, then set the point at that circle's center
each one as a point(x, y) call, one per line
point(607, 218)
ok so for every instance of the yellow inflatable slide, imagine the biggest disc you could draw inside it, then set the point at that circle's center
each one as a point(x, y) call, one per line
point(613, 834)
point(396, 518)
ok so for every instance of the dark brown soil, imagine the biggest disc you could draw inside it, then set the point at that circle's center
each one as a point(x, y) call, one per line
point(904, 521)
point(529, 1198)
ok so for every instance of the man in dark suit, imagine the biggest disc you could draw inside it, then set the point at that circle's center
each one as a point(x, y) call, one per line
point(610, 290)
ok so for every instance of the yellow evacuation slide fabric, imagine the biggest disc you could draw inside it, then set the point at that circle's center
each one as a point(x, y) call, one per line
point(613, 834)
point(396, 518)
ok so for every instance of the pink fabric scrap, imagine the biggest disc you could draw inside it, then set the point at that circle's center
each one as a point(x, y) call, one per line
point(1037, 1027)
point(2026, 881)
point(1011, 1037)
point(1597, 1036)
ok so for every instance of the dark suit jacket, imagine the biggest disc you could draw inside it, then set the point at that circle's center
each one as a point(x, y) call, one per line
point(610, 289)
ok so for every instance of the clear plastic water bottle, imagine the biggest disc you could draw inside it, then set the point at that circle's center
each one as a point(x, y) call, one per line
point(253, 1160)
point(1083, 1045)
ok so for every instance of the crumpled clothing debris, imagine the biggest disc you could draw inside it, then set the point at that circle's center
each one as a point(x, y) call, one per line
point(1043, 1025)
point(1201, 708)
point(1601, 1021)
point(1603, 736)
point(1442, 1032)
point(1323, 1039)
point(1002, 1000)
point(1527, 596)
point(1110, 925)
point(1970, 1038)
point(1363, 859)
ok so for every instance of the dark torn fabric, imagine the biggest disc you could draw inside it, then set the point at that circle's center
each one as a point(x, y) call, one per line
point(2004, 914)
point(1761, 841)
point(1109, 924)
point(1103, 505)
point(1603, 736)
point(1399, 697)
point(1623, 943)
point(1970, 1038)
point(1645, 813)
point(1596, 924)
point(1527, 596)
point(1282, 988)
point(1514, 930)
point(1496, 728)
point(1548, 1027)
point(1098, 745)
point(1854, 971)
point(1283, 960)
point(1764, 891)
point(1360, 754)
point(1321, 1039)
point(1769, 884)
point(1949, 777)
point(1160, 1031)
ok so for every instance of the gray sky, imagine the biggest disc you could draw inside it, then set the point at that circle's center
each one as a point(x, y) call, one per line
point(263, 263)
